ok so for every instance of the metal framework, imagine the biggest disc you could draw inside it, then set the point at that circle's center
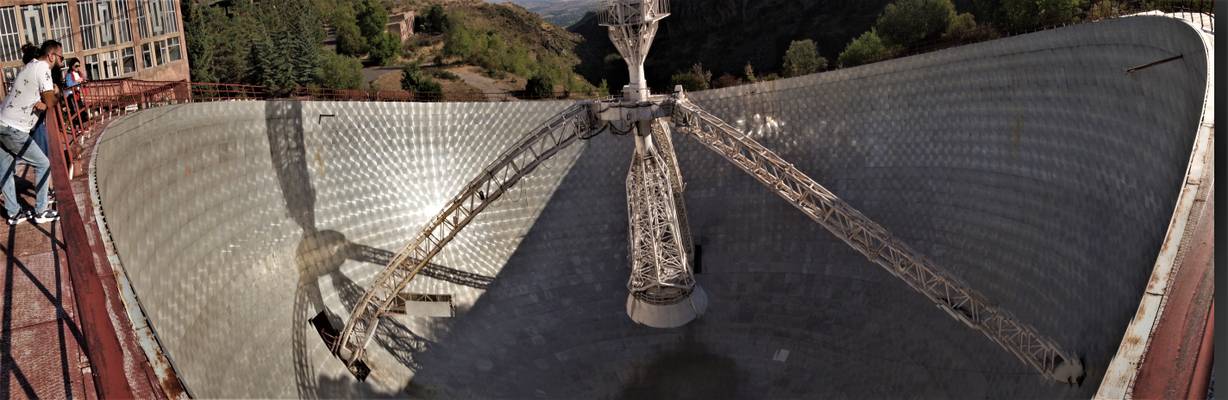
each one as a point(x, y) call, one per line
point(633, 25)
point(660, 271)
point(877, 244)
point(659, 237)
point(526, 155)
point(660, 241)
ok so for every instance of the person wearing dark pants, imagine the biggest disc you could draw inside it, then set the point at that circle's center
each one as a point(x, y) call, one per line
point(33, 91)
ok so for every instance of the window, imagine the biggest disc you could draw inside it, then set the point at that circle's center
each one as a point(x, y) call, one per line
point(10, 43)
point(106, 33)
point(147, 56)
point(57, 16)
point(156, 17)
point(92, 71)
point(32, 17)
point(10, 75)
point(110, 64)
point(172, 48)
point(122, 30)
point(142, 17)
point(172, 19)
point(160, 52)
point(129, 61)
point(89, 24)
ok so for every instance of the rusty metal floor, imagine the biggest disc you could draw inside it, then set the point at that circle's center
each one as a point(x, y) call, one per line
point(40, 341)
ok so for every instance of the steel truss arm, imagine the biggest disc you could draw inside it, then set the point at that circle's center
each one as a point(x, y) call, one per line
point(577, 122)
point(877, 244)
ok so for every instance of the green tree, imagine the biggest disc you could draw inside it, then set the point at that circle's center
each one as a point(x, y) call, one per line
point(304, 56)
point(350, 40)
point(1106, 9)
point(696, 79)
point(908, 22)
point(231, 40)
point(539, 87)
point(372, 18)
point(414, 80)
point(269, 67)
point(384, 48)
point(865, 49)
point(1022, 15)
point(339, 72)
point(802, 58)
point(604, 89)
point(964, 28)
point(435, 20)
point(201, 38)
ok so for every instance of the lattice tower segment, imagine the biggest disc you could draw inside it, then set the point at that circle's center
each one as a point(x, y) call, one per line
point(633, 25)
point(877, 244)
point(579, 121)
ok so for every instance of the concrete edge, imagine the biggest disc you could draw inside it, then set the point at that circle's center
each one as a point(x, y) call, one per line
point(1123, 370)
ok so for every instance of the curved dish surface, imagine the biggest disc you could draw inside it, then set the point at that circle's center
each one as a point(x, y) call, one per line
point(1033, 167)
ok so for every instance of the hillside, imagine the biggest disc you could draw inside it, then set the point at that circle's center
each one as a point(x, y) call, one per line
point(558, 12)
point(726, 34)
point(502, 38)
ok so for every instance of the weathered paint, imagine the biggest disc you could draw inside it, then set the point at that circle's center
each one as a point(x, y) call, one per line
point(1121, 379)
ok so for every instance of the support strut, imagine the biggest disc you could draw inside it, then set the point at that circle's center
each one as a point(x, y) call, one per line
point(877, 244)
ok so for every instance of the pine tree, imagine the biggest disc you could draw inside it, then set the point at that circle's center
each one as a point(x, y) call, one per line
point(200, 41)
point(372, 18)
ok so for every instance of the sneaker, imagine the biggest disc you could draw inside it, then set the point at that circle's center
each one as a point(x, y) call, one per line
point(20, 217)
point(47, 215)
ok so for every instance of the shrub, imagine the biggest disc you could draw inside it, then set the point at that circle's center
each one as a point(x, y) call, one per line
point(604, 89)
point(446, 75)
point(748, 72)
point(372, 18)
point(434, 21)
point(865, 49)
point(908, 22)
point(413, 80)
point(696, 79)
point(1105, 9)
point(802, 58)
point(1022, 15)
point(539, 87)
point(727, 80)
point(964, 28)
point(384, 48)
point(340, 72)
point(350, 41)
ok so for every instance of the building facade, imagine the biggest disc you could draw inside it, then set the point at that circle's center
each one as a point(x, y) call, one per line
point(401, 25)
point(140, 39)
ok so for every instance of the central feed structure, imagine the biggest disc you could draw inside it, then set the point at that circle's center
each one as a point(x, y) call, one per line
point(1032, 167)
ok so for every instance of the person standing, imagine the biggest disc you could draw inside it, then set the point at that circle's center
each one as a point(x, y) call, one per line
point(75, 95)
point(33, 91)
point(29, 52)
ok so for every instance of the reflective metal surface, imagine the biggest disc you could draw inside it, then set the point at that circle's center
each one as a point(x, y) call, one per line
point(1037, 155)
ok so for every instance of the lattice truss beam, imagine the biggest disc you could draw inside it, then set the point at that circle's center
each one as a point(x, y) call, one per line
point(877, 244)
point(659, 267)
point(577, 122)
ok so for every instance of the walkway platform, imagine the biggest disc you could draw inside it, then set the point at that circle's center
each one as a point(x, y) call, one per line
point(42, 339)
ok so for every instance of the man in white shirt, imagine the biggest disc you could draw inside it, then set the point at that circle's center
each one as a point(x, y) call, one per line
point(33, 91)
